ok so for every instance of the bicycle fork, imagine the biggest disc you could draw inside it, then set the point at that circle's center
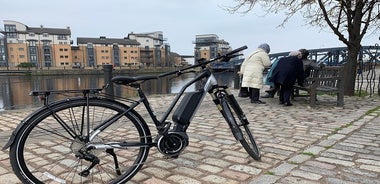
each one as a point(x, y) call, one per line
point(221, 98)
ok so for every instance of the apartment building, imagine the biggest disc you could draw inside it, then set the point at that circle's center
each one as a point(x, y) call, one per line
point(98, 51)
point(208, 46)
point(39, 46)
point(52, 47)
point(153, 49)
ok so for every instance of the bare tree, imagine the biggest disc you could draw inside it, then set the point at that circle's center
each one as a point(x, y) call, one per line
point(350, 20)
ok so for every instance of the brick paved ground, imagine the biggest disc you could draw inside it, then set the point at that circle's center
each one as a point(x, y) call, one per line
point(326, 144)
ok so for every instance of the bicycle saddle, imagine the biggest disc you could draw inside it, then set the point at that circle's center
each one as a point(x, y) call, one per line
point(125, 80)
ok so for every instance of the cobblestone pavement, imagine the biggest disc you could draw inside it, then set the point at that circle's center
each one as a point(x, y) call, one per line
point(326, 144)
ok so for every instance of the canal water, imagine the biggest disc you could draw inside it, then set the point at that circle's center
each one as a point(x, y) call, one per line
point(14, 90)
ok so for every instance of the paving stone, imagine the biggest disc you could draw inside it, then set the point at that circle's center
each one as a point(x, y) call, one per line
point(314, 150)
point(362, 172)
point(283, 169)
point(360, 179)
point(188, 171)
point(265, 179)
point(318, 170)
point(335, 161)
point(370, 168)
point(321, 165)
point(246, 169)
point(210, 168)
point(289, 179)
point(337, 181)
point(306, 175)
point(299, 159)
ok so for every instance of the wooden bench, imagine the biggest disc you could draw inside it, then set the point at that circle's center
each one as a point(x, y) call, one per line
point(327, 79)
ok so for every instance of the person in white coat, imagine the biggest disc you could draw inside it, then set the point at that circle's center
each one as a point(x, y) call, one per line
point(252, 70)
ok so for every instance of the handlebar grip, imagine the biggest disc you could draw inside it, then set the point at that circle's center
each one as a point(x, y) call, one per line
point(237, 50)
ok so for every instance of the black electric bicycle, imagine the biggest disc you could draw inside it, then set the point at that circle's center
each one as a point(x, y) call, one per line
point(96, 139)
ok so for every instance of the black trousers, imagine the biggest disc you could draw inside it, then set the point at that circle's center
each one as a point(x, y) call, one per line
point(285, 93)
point(254, 94)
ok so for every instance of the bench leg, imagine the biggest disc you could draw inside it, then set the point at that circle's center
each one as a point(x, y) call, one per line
point(313, 98)
point(340, 99)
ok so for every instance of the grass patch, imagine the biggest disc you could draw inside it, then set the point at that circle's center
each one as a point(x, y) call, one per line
point(293, 163)
point(328, 147)
point(309, 154)
point(373, 110)
point(269, 173)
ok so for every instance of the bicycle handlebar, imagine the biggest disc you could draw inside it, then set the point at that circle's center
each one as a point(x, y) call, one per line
point(225, 57)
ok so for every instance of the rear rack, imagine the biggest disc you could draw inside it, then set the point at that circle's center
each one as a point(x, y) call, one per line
point(50, 92)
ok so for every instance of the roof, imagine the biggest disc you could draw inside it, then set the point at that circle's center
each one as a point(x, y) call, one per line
point(54, 31)
point(120, 41)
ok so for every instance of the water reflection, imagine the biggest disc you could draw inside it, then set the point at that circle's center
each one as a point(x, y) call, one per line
point(15, 89)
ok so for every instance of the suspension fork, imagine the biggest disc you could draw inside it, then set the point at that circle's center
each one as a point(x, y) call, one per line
point(221, 97)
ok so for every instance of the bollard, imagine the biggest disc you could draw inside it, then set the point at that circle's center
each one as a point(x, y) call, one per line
point(236, 76)
point(107, 80)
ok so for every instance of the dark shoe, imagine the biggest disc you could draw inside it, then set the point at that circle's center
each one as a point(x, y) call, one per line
point(271, 90)
point(288, 104)
point(268, 96)
point(257, 102)
point(243, 92)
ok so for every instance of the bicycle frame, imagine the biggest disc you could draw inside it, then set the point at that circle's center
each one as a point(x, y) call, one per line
point(163, 125)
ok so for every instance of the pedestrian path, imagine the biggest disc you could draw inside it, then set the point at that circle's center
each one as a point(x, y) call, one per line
point(326, 144)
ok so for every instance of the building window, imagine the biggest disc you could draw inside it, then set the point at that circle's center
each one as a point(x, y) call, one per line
point(32, 43)
point(32, 34)
point(45, 35)
point(33, 58)
point(12, 35)
point(20, 49)
point(60, 56)
point(62, 37)
point(61, 50)
point(10, 28)
point(22, 56)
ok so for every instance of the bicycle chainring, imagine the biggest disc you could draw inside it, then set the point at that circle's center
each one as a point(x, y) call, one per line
point(172, 144)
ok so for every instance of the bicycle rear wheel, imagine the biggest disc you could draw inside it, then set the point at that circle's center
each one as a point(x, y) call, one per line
point(45, 151)
point(238, 121)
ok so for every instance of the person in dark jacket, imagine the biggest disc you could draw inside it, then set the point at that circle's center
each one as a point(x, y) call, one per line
point(288, 70)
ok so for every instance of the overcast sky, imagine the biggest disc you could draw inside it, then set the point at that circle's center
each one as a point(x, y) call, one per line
point(180, 21)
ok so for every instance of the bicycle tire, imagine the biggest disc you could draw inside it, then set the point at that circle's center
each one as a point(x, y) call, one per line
point(235, 118)
point(44, 152)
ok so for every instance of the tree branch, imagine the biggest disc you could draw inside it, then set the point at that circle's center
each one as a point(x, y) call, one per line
point(331, 25)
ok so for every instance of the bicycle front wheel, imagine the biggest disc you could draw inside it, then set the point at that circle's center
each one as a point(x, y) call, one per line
point(239, 125)
point(50, 146)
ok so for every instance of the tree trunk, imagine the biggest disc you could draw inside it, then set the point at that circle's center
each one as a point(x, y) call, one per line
point(350, 69)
